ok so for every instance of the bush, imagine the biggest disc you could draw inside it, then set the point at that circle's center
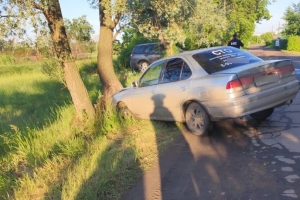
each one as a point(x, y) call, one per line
point(293, 43)
point(52, 68)
point(7, 59)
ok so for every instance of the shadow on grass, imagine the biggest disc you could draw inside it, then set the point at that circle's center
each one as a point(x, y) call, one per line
point(32, 111)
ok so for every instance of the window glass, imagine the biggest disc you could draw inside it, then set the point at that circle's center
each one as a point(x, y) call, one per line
point(186, 72)
point(139, 49)
point(223, 58)
point(148, 48)
point(172, 70)
point(158, 49)
point(152, 75)
point(175, 70)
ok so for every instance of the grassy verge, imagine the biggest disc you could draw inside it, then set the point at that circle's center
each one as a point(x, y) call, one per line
point(46, 154)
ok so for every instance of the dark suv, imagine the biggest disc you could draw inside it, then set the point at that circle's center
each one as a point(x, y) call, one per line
point(145, 54)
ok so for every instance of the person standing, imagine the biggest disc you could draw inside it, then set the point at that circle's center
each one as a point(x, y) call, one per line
point(235, 42)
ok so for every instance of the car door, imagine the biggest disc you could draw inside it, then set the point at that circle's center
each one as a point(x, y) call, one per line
point(143, 97)
point(173, 89)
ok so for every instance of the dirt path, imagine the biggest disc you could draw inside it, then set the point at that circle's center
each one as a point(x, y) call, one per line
point(271, 54)
point(225, 165)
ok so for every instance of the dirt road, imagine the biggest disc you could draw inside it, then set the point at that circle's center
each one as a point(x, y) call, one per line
point(234, 162)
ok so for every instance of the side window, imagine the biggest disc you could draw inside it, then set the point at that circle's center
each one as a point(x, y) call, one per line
point(158, 49)
point(186, 72)
point(148, 49)
point(175, 70)
point(152, 75)
point(139, 49)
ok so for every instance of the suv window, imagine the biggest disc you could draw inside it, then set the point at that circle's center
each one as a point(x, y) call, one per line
point(224, 58)
point(149, 49)
point(139, 49)
point(175, 70)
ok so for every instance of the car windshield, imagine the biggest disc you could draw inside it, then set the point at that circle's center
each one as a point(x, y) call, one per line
point(223, 58)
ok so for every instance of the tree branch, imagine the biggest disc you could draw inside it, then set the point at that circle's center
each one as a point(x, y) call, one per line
point(6, 16)
point(37, 6)
point(118, 31)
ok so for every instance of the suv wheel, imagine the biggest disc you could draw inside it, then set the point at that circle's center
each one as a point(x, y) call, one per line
point(143, 66)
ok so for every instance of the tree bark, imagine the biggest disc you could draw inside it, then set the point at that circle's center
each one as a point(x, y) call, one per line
point(75, 85)
point(110, 82)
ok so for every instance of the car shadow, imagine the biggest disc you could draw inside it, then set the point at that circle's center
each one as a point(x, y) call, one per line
point(223, 165)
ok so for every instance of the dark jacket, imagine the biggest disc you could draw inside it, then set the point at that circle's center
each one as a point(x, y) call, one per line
point(235, 43)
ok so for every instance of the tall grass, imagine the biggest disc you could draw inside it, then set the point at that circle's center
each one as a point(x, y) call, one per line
point(47, 154)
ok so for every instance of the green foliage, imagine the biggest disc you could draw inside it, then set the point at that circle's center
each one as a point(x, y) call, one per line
point(293, 43)
point(52, 68)
point(292, 17)
point(242, 15)
point(7, 59)
point(267, 38)
point(174, 21)
point(79, 29)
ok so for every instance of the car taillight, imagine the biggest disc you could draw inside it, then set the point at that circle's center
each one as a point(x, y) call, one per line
point(286, 71)
point(234, 86)
point(131, 55)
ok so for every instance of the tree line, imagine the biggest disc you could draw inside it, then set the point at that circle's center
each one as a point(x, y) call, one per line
point(190, 24)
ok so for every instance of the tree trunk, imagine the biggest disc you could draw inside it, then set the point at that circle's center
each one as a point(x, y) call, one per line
point(110, 82)
point(75, 85)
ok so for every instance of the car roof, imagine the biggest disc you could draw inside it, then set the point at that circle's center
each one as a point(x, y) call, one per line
point(151, 43)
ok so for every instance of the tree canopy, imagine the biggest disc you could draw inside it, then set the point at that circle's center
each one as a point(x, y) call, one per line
point(79, 29)
point(242, 15)
point(292, 18)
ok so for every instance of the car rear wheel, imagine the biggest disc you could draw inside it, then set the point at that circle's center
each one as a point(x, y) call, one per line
point(197, 120)
point(262, 115)
point(143, 66)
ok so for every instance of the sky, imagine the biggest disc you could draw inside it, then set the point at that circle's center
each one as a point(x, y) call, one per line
point(277, 10)
point(76, 8)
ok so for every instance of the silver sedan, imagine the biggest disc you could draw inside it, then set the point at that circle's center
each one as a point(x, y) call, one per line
point(197, 87)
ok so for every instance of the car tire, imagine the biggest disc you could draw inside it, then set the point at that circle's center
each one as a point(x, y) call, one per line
point(262, 115)
point(143, 66)
point(124, 112)
point(197, 120)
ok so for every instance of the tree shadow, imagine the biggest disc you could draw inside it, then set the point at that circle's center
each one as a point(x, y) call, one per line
point(117, 168)
point(32, 111)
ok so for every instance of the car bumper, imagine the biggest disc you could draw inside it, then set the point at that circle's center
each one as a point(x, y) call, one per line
point(249, 104)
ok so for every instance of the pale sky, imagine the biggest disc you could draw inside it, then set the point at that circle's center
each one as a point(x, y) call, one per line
point(277, 10)
point(76, 8)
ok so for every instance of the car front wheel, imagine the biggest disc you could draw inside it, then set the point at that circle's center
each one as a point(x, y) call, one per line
point(197, 120)
point(262, 115)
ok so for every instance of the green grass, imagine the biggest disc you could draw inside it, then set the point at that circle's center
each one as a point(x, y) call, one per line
point(47, 154)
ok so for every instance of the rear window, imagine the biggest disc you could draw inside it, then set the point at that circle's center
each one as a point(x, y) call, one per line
point(148, 49)
point(139, 49)
point(223, 58)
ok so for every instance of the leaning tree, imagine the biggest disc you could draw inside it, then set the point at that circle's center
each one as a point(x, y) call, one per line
point(48, 12)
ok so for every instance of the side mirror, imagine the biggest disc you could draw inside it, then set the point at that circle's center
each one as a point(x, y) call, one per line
point(134, 84)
